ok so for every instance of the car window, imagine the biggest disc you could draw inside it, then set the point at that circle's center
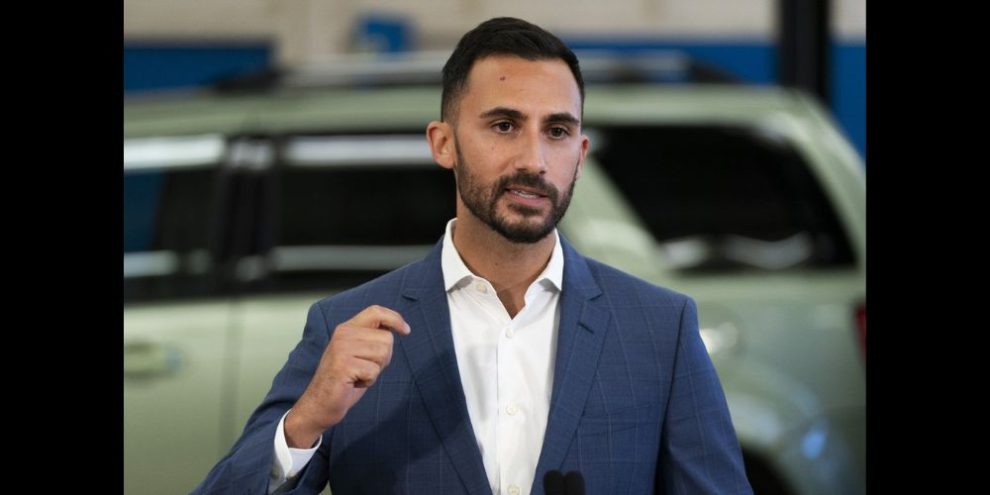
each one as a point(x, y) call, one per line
point(168, 209)
point(351, 207)
point(724, 198)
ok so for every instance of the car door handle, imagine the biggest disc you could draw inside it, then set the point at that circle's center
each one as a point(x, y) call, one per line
point(145, 359)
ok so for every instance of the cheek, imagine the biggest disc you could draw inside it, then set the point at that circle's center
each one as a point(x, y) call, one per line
point(475, 151)
point(566, 165)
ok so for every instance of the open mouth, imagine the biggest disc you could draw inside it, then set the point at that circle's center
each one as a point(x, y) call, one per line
point(522, 193)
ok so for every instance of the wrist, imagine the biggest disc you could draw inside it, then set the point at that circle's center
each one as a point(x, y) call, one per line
point(300, 433)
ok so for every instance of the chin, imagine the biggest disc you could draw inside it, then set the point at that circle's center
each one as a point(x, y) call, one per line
point(528, 231)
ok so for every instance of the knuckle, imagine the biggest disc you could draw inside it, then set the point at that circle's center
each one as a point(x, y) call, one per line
point(371, 370)
point(385, 351)
point(375, 354)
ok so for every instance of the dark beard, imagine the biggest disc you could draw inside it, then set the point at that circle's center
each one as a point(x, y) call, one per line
point(484, 204)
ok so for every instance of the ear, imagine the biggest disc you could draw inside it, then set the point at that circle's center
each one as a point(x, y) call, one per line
point(585, 145)
point(440, 136)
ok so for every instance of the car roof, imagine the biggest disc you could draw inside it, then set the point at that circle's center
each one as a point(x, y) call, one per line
point(400, 108)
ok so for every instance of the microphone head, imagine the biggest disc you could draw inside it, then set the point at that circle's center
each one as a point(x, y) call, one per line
point(574, 483)
point(553, 483)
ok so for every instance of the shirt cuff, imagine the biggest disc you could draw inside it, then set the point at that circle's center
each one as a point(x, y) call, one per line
point(288, 461)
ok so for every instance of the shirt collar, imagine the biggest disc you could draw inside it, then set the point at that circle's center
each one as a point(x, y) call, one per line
point(456, 274)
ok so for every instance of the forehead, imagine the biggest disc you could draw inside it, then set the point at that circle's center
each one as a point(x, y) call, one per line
point(531, 86)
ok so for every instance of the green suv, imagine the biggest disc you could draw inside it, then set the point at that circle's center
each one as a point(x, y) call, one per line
point(243, 207)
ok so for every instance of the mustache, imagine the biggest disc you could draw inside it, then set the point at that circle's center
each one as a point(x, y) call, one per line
point(528, 180)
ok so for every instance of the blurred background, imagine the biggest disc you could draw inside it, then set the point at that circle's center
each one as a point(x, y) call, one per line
point(727, 162)
point(184, 43)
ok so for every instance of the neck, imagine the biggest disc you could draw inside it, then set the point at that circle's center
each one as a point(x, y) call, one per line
point(510, 266)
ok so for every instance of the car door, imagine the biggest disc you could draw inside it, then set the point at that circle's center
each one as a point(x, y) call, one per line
point(345, 208)
point(177, 319)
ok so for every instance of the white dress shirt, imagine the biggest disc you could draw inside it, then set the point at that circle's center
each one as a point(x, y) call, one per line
point(505, 365)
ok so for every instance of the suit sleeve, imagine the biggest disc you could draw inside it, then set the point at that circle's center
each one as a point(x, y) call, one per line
point(699, 451)
point(247, 467)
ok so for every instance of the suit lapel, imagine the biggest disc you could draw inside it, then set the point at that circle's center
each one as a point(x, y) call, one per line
point(581, 332)
point(429, 350)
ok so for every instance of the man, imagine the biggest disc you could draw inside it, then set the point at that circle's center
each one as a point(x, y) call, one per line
point(504, 354)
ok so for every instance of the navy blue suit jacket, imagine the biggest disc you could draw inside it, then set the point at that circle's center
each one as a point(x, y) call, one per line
point(636, 405)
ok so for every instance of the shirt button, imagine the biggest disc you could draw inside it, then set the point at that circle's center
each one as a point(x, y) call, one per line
point(481, 288)
point(509, 333)
point(512, 410)
point(513, 490)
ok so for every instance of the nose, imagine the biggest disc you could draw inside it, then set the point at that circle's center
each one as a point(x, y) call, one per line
point(531, 154)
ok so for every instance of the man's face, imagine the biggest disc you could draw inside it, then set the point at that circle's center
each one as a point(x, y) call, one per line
point(483, 200)
point(518, 147)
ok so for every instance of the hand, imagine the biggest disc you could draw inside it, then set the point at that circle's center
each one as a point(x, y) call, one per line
point(357, 353)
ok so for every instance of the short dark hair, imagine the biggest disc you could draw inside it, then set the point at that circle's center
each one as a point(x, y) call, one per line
point(501, 36)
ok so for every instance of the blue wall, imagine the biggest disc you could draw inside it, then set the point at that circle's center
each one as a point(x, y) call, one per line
point(849, 91)
point(149, 65)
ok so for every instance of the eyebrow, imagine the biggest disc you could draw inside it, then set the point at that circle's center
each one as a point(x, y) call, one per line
point(512, 113)
point(562, 118)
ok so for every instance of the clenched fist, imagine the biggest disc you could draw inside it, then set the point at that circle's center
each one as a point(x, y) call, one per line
point(357, 353)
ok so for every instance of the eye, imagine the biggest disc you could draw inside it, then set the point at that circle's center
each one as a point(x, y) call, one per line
point(503, 127)
point(559, 132)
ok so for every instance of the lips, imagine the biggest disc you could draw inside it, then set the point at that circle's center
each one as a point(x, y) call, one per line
point(525, 192)
point(529, 190)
